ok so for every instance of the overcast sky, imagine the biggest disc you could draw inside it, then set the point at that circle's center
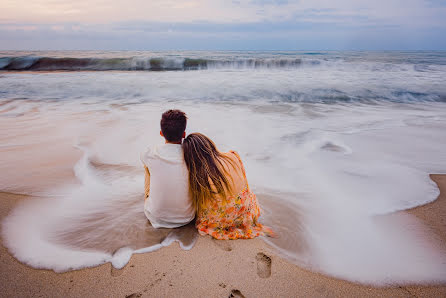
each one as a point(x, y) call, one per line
point(223, 24)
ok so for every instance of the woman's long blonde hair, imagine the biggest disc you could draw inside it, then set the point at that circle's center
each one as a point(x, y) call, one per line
point(207, 174)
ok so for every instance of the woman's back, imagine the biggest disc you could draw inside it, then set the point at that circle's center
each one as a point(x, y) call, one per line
point(234, 214)
point(234, 171)
point(226, 207)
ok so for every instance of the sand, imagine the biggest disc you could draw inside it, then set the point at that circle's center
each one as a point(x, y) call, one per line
point(211, 269)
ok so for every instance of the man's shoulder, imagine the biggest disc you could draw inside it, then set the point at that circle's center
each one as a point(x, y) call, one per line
point(146, 155)
point(165, 152)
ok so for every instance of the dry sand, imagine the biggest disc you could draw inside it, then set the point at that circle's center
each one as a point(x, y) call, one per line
point(211, 269)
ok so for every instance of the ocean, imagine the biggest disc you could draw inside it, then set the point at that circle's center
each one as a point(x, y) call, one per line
point(336, 146)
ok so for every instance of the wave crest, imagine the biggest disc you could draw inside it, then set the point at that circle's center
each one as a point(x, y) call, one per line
point(31, 63)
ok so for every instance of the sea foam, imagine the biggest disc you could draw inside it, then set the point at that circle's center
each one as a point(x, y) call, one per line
point(335, 154)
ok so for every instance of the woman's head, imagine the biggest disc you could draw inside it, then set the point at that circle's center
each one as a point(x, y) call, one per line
point(207, 174)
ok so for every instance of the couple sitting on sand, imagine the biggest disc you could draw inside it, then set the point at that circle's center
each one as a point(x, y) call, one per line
point(192, 179)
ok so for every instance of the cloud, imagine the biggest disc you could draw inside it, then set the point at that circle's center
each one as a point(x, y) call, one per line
point(269, 2)
point(237, 24)
point(214, 36)
point(219, 11)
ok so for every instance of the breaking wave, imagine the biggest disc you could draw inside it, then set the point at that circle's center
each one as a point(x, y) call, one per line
point(31, 63)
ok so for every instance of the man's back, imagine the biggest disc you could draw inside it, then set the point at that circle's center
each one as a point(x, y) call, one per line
point(169, 204)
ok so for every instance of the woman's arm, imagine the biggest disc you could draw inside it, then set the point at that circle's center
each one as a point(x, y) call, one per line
point(146, 182)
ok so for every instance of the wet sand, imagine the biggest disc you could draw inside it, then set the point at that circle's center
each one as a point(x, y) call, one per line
point(211, 269)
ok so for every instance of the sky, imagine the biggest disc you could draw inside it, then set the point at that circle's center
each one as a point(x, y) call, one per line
point(223, 25)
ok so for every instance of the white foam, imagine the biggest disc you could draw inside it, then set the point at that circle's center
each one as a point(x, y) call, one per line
point(24, 233)
point(83, 227)
point(121, 257)
point(343, 166)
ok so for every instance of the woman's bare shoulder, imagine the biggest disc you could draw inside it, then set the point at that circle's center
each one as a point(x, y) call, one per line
point(234, 159)
point(231, 154)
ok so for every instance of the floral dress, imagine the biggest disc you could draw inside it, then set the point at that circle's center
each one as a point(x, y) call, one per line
point(233, 217)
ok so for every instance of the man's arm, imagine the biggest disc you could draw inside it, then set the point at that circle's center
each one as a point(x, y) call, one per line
point(146, 182)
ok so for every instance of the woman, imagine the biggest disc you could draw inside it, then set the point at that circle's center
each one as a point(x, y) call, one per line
point(225, 206)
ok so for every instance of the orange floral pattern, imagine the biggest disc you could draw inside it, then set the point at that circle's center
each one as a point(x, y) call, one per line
point(235, 217)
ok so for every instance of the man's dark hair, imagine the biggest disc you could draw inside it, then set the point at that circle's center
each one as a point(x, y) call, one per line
point(173, 124)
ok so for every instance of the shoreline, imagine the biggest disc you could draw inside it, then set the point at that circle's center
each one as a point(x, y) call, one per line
point(211, 268)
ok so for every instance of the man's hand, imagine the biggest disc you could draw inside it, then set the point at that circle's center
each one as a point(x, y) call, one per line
point(146, 182)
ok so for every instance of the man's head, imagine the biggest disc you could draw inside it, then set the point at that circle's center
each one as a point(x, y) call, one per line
point(173, 125)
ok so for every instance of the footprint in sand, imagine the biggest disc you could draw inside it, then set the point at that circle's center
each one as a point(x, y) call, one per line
point(223, 244)
point(263, 265)
point(236, 294)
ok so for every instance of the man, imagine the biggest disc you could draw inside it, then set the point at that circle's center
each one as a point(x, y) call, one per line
point(167, 200)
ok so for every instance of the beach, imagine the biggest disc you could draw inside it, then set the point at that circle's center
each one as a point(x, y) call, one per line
point(335, 110)
point(337, 146)
point(211, 269)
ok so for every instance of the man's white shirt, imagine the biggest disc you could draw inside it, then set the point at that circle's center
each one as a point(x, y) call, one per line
point(169, 204)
